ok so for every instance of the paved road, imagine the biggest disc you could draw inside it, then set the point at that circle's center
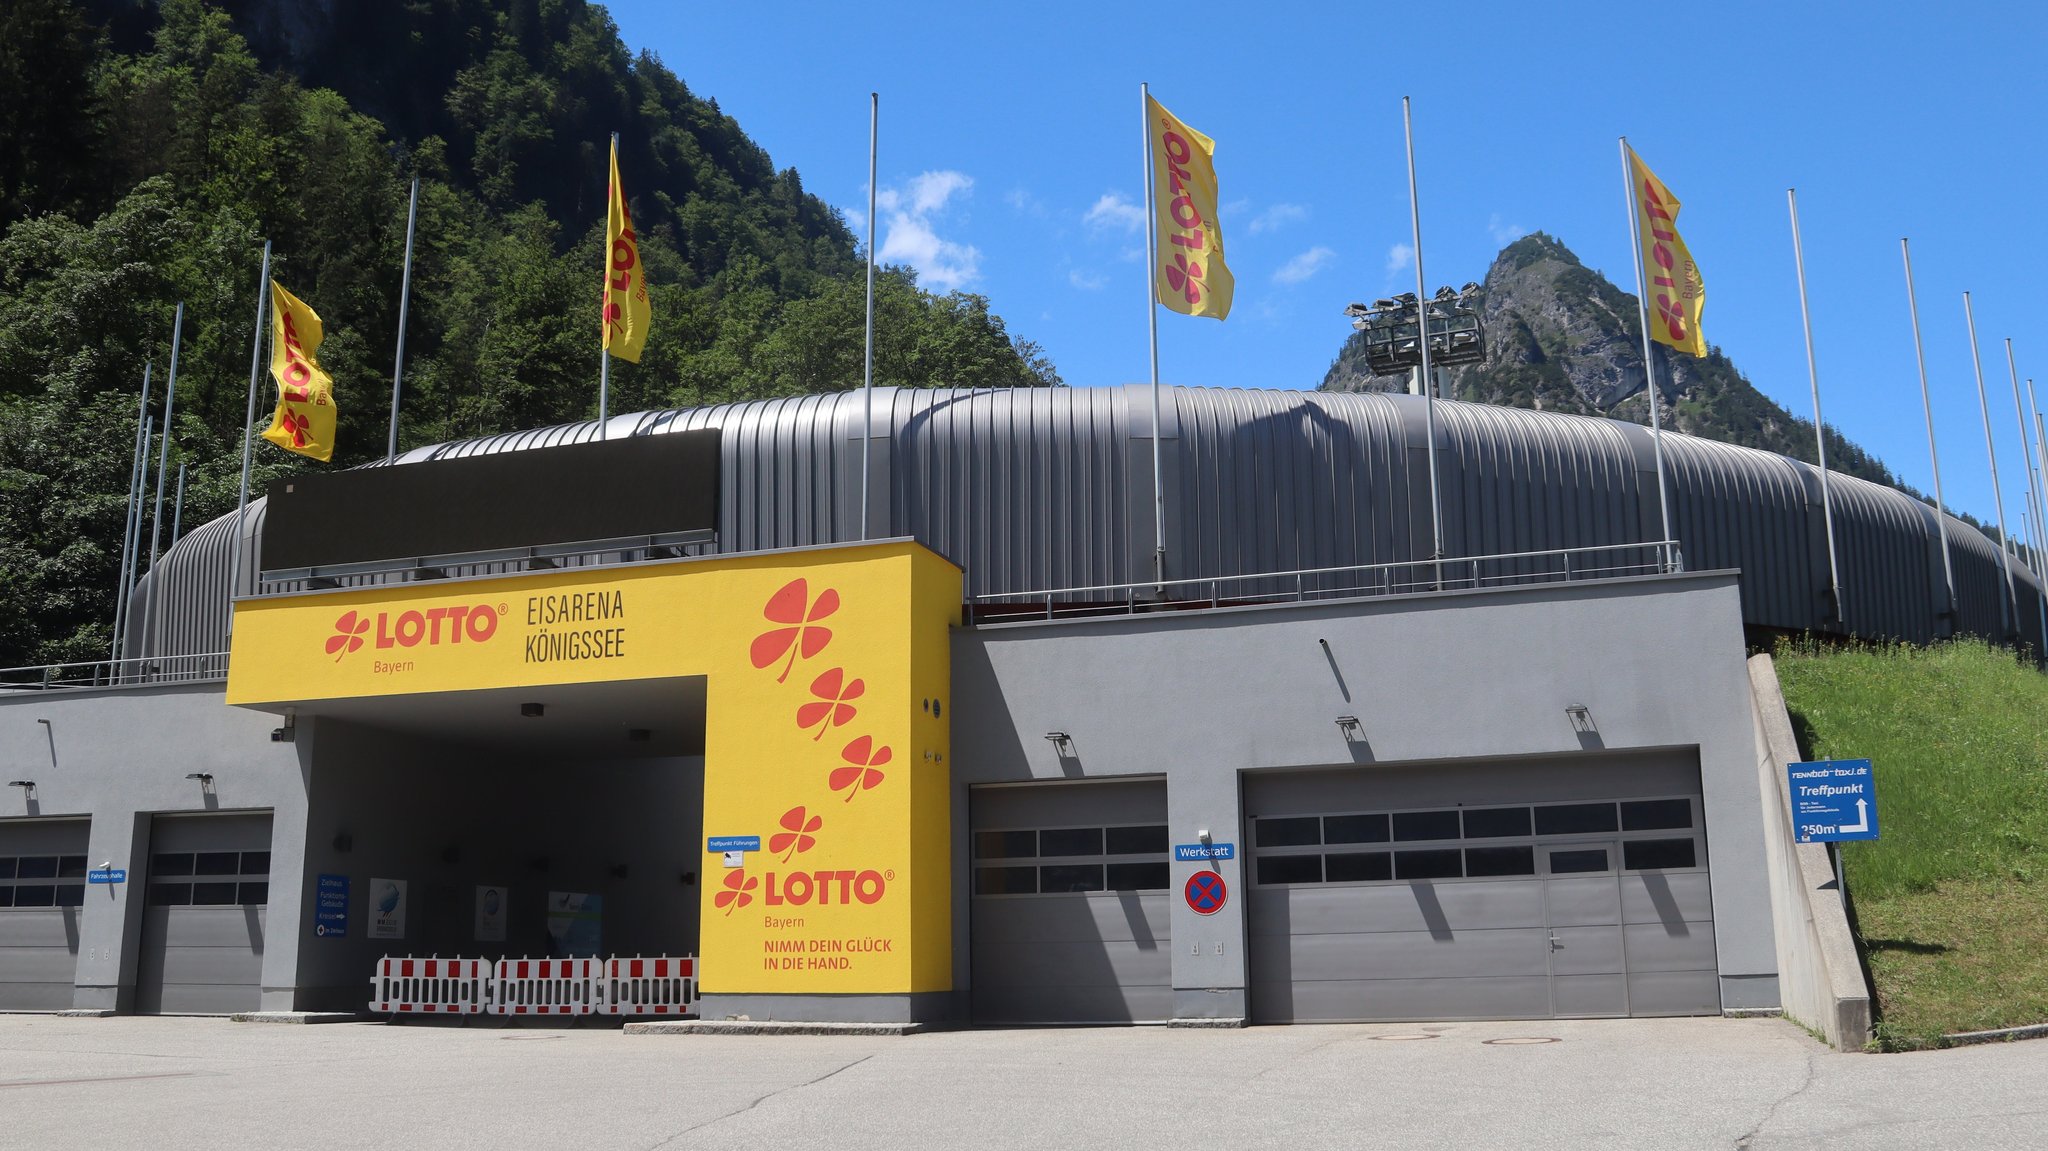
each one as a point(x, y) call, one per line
point(1758, 1084)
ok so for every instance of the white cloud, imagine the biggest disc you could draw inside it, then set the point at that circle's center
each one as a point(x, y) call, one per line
point(1113, 211)
point(1400, 258)
point(1303, 266)
point(909, 215)
point(1086, 280)
point(1277, 216)
point(1504, 234)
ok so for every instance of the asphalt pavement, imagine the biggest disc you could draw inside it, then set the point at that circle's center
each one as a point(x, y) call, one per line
point(169, 1084)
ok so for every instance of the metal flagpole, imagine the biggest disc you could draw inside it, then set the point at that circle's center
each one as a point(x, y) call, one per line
point(2033, 496)
point(1436, 514)
point(1948, 571)
point(248, 434)
point(178, 507)
point(163, 459)
point(1635, 245)
point(1820, 433)
point(404, 299)
point(135, 552)
point(2012, 601)
point(2040, 511)
point(136, 456)
point(604, 365)
point(1152, 322)
point(867, 432)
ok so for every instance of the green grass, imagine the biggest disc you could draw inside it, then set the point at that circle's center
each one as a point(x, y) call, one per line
point(1952, 902)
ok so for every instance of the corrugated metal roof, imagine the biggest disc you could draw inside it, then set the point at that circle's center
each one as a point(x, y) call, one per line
point(1046, 488)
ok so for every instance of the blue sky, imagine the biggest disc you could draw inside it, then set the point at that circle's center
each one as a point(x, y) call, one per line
point(1009, 166)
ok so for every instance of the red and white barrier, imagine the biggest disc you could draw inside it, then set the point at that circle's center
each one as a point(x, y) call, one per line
point(409, 985)
point(548, 987)
point(662, 985)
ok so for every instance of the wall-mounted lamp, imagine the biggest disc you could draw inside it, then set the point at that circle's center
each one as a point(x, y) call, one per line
point(27, 786)
point(619, 871)
point(41, 720)
point(343, 842)
point(1582, 720)
point(289, 733)
point(639, 734)
point(1202, 835)
point(533, 710)
point(1348, 724)
point(205, 778)
point(1062, 743)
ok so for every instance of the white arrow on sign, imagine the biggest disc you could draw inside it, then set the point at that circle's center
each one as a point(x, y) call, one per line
point(1862, 818)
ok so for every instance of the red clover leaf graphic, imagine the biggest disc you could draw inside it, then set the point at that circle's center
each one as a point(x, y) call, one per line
point(793, 608)
point(831, 710)
point(798, 837)
point(863, 758)
point(739, 891)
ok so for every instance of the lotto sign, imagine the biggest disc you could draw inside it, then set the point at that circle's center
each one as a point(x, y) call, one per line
point(1206, 892)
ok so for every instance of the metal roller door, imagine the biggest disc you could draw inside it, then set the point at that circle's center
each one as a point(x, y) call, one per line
point(1547, 890)
point(1069, 907)
point(202, 927)
point(42, 898)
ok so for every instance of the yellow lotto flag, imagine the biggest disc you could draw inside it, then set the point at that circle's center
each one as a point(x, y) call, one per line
point(1188, 275)
point(1677, 294)
point(304, 420)
point(625, 277)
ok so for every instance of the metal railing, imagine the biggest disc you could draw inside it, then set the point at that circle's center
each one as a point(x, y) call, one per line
point(155, 669)
point(1459, 573)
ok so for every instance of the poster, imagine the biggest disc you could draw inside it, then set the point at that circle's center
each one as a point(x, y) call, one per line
point(387, 908)
point(575, 923)
point(490, 914)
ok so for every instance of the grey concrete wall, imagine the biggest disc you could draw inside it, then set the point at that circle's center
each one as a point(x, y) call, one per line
point(1460, 676)
point(120, 755)
point(1820, 973)
point(448, 817)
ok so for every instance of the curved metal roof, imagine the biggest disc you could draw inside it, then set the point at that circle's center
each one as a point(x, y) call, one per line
point(1050, 488)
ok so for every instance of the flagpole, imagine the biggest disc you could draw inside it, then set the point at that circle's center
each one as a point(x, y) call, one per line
point(1820, 434)
point(2019, 416)
point(163, 460)
point(404, 299)
point(2011, 602)
point(1436, 515)
point(178, 507)
point(135, 554)
point(1948, 572)
point(604, 365)
point(867, 433)
point(1635, 245)
point(248, 435)
point(136, 455)
point(1152, 323)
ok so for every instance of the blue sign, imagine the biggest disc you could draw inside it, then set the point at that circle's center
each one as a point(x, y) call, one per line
point(1203, 852)
point(107, 875)
point(1833, 800)
point(734, 843)
point(330, 906)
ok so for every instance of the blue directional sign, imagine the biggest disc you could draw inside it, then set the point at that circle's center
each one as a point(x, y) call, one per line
point(1203, 852)
point(1833, 800)
point(733, 843)
point(107, 875)
point(330, 906)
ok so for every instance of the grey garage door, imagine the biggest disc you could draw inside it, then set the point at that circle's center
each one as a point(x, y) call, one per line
point(202, 926)
point(1069, 914)
point(42, 897)
point(1498, 892)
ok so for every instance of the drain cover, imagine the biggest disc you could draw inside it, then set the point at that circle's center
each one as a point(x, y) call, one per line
point(1519, 1040)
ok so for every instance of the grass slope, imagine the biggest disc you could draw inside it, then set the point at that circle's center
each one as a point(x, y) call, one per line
point(1952, 903)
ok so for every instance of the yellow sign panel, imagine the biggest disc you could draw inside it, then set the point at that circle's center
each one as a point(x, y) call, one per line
point(826, 674)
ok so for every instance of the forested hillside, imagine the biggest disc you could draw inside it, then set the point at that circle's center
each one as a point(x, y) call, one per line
point(148, 149)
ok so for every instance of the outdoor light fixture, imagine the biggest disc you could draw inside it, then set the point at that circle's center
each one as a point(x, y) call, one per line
point(532, 710)
point(1393, 328)
point(1059, 739)
point(205, 778)
point(1347, 724)
point(27, 786)
point(639, 734)
point(1582, 720)
point(289, 733)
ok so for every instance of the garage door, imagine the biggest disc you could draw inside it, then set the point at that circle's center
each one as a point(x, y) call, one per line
point(1069, 912)
point(1532, 891)
point(42, 896)
point(202, 927)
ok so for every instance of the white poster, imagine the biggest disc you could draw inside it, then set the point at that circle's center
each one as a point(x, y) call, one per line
point(490, 914)
point(387, 908)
